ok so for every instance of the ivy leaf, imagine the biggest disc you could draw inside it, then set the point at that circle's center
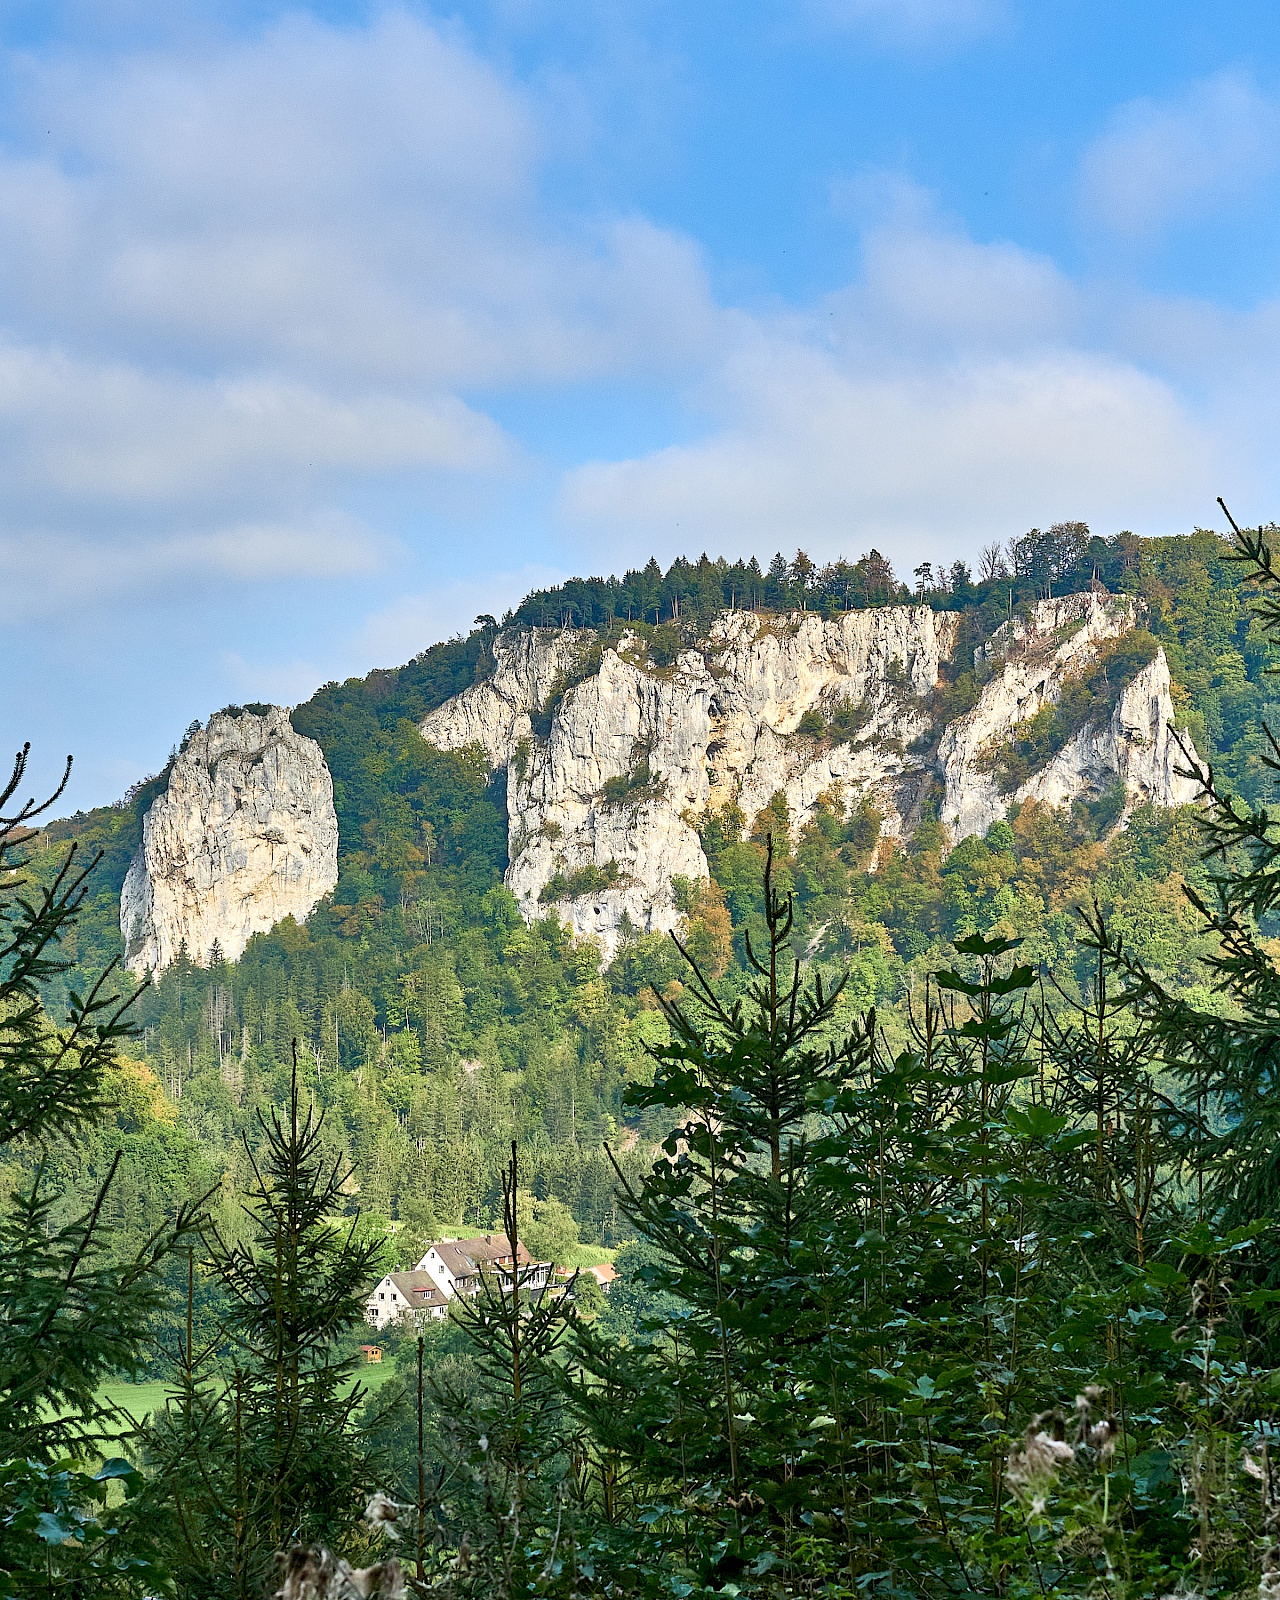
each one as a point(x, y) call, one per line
point(1034, 1122)
point(1016, 978)
point(974, 944)
point(953, 980)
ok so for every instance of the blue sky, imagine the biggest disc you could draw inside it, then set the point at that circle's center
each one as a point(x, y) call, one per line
point(323, 329)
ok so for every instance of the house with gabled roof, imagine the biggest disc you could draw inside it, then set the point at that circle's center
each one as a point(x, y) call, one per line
point(401, 1294)
point(456, 1264)
point(451, 1267)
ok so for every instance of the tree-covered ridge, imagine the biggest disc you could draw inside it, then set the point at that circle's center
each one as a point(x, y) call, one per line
point(877, 1253)
point(439, 1026)
point(1063, 559)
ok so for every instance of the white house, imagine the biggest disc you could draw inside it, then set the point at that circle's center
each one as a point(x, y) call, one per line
point(451, 1267)
point(400, 1293)
point(456, 1264)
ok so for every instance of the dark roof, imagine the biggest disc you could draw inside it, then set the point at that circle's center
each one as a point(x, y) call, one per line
point(464, 1256)
point(419, 1288)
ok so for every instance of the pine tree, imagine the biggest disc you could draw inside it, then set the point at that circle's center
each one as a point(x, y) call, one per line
point(883, 1278)
point(1228, 1066)
point(710, 1437)
point(71, 1312)
point(261, 1451)
point(510, 1508)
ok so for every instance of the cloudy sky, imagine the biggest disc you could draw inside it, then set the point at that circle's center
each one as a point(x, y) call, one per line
point(324, 328)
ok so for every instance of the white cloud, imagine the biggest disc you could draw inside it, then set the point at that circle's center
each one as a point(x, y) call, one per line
point(248, 283)
point(927, 288)
point(1165, 161)
point(950, 396)
point(913, 22)
point(351, 201)
point(391, 635)
point(112, 433)
point(51, 569)
point(828, 459)
point(414, 621)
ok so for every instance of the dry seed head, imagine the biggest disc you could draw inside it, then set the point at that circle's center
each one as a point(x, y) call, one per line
point(1036, 1461)
point(384, 1513)
point(319, 1575)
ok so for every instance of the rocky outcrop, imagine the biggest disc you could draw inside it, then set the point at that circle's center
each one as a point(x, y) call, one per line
point(613, 757)
point(1135, 746)
point(1031, 659)
point(244, 835)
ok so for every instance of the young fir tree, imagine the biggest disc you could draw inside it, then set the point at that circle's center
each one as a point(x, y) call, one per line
point(712, 1442)
point(945, 1322)
point(1229, 1065)
point(1222, 1081)
point(71, 1312)
point(259, 1451)
point(508, 1505)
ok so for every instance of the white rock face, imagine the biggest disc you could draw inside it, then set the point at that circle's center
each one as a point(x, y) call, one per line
point(1034, 659)
point(1135, 746)
point(244, 835)
point(608, 776)
point(718, 725)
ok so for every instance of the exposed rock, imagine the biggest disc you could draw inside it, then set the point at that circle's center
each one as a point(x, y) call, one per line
point(1033, 658)
point(244, 835)
point(612, 758)
point(634, 750)
point(1135, 746)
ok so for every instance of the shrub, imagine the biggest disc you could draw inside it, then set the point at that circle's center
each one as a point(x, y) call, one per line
point(847, 720)
point(638, 784)
point(581, 881)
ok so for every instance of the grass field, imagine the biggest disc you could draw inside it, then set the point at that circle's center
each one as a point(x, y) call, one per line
point(141, 1399)
point(588, 1255)
point(138, 1399)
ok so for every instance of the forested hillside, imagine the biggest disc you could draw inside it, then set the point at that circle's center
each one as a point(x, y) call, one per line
point(436, 1026)
point(867, 1255)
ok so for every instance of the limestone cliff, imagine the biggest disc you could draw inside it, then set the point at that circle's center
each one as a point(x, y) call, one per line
point(612, 755)
point(1032, 660)
point(244, 834)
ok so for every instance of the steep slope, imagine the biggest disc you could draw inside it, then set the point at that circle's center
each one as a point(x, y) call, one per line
point(243, 835)
point(1033, 661)
point(613, 757)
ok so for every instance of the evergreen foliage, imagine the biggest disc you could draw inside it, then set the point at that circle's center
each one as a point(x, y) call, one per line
point(74, 1309)
point(1227, 1062)
point(947, 1235)
point(257, 1449)
point(434, 1026)
point(507, 1497)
